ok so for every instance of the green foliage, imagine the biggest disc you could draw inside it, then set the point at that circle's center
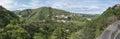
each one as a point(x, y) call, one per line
point(6, 16)
point(60, 33)
point(94, 28)
point(15, 32)
point(40, 36)
point(39, 24)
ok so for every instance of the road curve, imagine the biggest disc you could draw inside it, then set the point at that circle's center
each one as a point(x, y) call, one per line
point(112, 32)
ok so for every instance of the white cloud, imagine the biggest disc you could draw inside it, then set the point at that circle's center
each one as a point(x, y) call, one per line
point(32, 5)
point(77, 6)
point(84, 6)
point(8, 4)
point(36, 3)
point(59, 5)
point(69, 5)
point(16, 5)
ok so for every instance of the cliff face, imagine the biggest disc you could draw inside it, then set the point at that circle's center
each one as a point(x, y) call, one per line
point(116, 6)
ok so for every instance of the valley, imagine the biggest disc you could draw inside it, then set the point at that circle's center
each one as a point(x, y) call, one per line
point(52, 23)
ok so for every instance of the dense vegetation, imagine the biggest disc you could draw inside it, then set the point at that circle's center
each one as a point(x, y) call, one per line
point(50, 23)
point(94, 28)
point(40, 23)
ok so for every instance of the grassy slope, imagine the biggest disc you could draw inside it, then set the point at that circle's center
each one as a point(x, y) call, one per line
point(51, 29)
point(6, 16)
point(94, 28)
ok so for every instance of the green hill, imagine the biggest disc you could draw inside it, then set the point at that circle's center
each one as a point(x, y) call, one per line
point(94, 28)
point(51, 14)
point(42, 11)
point(8, 26)
point(24, 13)
point(47, 22)
point(6, 17)
point(41, 23)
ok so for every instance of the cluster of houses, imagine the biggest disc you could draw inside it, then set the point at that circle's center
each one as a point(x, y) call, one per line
point(63, 18)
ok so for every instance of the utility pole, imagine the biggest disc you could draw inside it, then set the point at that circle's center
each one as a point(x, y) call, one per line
point(50, 14)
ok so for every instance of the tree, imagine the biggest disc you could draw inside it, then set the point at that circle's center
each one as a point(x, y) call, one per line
point(16, 32)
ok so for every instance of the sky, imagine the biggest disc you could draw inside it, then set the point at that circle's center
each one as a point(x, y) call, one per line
point(77, 6)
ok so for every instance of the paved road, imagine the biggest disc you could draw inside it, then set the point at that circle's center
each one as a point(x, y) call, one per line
point(112, 32)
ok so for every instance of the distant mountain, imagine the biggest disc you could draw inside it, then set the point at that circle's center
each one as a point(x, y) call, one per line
point(24, 13)
point(42, 10)
point(48, 13)
point(50, 23)
point(6, 16)
point(16, 11)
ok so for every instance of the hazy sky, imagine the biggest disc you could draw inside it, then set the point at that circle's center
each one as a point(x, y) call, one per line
point(79, 6)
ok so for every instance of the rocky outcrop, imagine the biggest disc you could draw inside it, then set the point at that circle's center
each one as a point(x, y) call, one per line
point(116, 6)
